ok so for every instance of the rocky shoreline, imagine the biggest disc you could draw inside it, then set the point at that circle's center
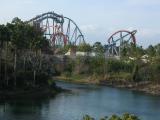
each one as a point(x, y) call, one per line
point(145, 87)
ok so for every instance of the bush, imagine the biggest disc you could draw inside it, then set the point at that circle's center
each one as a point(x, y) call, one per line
point(119, 66)
point(114, 117)
point(23, 78)
point(87, 117)
point(147, 72)
point(42, 79)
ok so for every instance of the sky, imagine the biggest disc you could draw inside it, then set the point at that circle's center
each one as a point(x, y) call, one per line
point(97, 19)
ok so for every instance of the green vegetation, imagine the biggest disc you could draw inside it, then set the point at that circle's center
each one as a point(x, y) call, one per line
point(136, 66)
point(100, 68)
point(23, 63)
point(114, 117)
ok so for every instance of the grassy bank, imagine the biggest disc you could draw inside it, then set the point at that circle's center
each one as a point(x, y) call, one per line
point(80, 79)
point(145, 87)
point(123, 73)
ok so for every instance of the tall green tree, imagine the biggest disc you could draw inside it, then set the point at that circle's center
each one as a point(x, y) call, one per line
point(151, 51)
point(157, 47)
point(5, 38)
point(98, 48)
point(84, 47)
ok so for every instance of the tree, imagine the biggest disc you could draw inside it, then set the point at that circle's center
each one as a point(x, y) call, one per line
point(98, 48)
point(151, 51)
point(157, 47)
point(17, 39)
point(4, 38)
point(124, 52)
point(1, 46)
point(135, 74)
point(26, 37)
point(84, 47)
point(140, 51)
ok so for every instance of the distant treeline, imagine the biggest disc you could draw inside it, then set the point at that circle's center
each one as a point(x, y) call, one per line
point(134, 65)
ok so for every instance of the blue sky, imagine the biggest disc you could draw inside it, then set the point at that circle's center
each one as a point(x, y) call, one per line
point(97, 19)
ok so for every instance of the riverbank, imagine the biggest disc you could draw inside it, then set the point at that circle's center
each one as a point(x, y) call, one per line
point(32, 93)
point(145, 87)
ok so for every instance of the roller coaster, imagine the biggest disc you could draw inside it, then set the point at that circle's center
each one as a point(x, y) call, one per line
point(62, 31)
point(59, 30)
point(118, 41)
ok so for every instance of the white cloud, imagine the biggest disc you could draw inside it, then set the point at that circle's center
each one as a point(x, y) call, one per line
point(89, 28)
point(143, 2)
point(147, 32)
point(18, 2)
point(148, 36)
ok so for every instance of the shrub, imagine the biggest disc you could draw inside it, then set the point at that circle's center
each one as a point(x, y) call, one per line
point(125, 116)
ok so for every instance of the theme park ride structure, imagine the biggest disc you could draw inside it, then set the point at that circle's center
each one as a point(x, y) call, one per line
point(59, 30)
point(118, 41)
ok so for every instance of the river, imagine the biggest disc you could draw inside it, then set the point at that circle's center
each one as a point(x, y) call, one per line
point(97, 101)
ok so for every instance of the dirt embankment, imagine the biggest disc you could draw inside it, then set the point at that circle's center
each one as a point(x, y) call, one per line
point(146, 87)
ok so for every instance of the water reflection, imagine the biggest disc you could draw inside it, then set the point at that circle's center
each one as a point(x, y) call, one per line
point(97, 101)
point(23, 109)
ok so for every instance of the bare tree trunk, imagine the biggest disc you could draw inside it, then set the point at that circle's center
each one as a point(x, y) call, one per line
point(40, 59)
point(34, 80)
point(24, 63)
point(6, 74)
point(15, 68)
point(0, 66)
point(104, 66)
point(34, 62)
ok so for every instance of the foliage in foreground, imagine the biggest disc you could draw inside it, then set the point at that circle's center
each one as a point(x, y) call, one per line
point(114, 117)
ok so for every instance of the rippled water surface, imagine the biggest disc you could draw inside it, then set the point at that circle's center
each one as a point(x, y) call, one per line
point(97, 101)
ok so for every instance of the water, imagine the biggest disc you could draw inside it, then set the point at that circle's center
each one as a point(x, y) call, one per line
point(97, 101)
